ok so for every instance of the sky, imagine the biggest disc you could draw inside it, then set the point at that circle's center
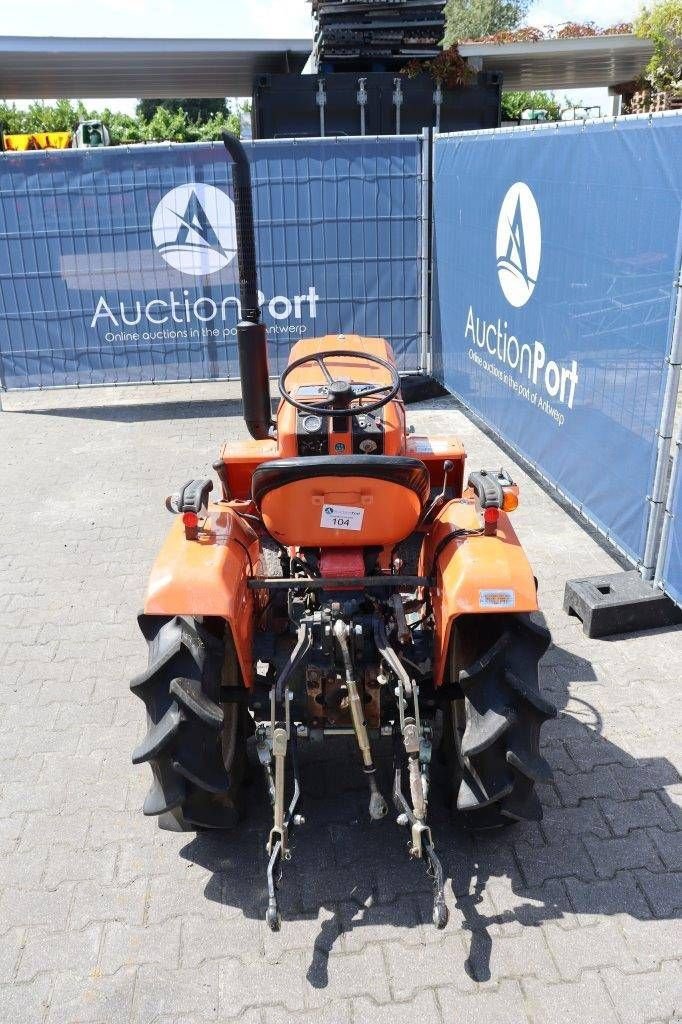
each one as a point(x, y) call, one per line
point(241, 19)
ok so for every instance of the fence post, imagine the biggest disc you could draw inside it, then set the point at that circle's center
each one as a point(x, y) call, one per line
point(668, 513)
point(425, 354)
point(659, 490)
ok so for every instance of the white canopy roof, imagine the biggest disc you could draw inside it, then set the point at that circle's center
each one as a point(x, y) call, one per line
point(590, 62)
point(35, 67)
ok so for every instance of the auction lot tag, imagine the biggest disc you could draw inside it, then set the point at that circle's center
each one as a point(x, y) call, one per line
point(342, 517)
point(496, 598)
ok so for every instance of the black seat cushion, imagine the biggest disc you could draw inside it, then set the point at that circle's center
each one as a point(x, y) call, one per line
point(397, 469)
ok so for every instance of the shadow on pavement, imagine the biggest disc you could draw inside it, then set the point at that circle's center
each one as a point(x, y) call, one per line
point(144, 412)
point(359, 874)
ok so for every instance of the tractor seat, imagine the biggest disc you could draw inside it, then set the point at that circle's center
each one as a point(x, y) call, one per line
point(341, 500)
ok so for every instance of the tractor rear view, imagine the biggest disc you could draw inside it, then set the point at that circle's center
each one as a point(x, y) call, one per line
point(348, 560)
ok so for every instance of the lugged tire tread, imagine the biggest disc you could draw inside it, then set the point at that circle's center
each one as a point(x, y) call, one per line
point(159, 735)
point(499, 761)
point(191, 787)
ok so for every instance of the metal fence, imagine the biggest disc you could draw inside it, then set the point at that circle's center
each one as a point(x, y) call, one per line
point(118, 265)
point(557, 250)
point(668, 549)
point(669, 567)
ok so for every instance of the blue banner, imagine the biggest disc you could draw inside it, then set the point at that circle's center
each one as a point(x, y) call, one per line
point(555, 255)
point(118, 265)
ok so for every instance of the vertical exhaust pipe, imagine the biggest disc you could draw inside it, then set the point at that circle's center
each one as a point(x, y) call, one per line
point(251, 334)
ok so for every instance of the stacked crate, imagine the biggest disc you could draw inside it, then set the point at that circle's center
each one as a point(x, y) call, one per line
point(647, 102)
point(378, 33)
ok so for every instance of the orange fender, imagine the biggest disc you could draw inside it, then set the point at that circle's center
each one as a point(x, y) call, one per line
point(473, 575)
point(208, 576)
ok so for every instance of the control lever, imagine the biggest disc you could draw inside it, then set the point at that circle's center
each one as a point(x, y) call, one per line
point(192, 497)
point(441, 498)
point(488, 486)
point(189, 502)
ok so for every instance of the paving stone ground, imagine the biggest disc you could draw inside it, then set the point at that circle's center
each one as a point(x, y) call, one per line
point(105, 919)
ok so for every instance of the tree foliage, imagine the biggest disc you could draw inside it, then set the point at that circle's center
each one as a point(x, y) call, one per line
point(662, 24)
point(472, 19)
point(198, 110)
point(168, 122)
point(514, 103)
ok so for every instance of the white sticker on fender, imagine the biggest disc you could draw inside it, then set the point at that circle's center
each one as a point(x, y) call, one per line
point(496, 598)
point(342, 517)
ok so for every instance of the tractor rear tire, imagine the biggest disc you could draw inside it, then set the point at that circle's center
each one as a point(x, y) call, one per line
point(492, 728)
point(196, 740)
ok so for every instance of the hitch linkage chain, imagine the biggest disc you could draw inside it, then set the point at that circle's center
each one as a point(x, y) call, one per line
point(415, 748)
point(272, 744)
point(411, 746)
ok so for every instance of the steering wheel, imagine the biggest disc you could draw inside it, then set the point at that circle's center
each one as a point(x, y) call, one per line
point(340, 389)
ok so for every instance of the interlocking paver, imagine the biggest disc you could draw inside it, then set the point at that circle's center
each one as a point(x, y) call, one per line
point(337, 1012)
point(653, 941)
point(26, 1003)
point(93, 901)
point(644, 997)
point(413, 967)
point(261, 982)
point(127, 945)
point(556, 860)
point(669, 848)
point(366, 1011)
point(608, 896)
point(635, 850)
point(92, 997)
point(165, 990)
point(647, 810)
point(585, 1001)
point(600, 944)
point(663, 891)
point(223, 936)
point(36, 906)
point(45, 951)
point(106, 920)
point(506, 1006)
point(573, 787)
point(11, 943)
point(341, 976)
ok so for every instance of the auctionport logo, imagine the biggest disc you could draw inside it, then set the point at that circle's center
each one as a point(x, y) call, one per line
point(194, 229)
point(524, 366)
point(519, 244)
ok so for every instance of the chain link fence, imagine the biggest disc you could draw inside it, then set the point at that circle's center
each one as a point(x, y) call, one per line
point(118, 265)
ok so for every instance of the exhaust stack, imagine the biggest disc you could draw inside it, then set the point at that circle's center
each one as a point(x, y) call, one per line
point(251, 334)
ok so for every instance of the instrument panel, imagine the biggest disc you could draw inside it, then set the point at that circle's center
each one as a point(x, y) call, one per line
point(361, 434)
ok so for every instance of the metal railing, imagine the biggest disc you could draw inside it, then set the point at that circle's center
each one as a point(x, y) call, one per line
point(341, 224)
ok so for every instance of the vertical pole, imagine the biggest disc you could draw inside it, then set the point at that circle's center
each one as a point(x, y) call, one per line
point(362, 102)
point(659, 490)
point(321, 101)
point(668, 512)
point(398, 101)
point(438, 100)
point(425, 353)
point(2, 382)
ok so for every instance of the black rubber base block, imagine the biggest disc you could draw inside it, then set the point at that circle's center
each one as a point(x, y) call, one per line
point(417, 387)
point(619, 603)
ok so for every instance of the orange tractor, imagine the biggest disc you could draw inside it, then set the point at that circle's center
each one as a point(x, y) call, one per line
point(345, 580)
